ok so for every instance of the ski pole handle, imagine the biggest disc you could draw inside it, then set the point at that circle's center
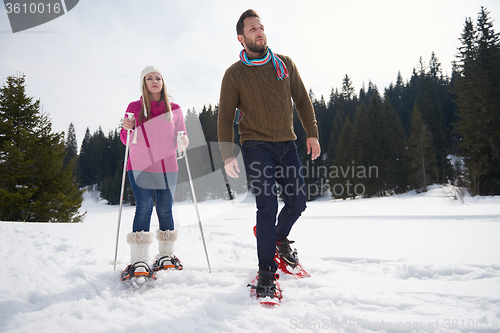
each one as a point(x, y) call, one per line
point(181, 148)
point(129, 118)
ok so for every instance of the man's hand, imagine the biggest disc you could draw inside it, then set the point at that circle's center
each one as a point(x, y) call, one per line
point(232, 168)
point(313, 148)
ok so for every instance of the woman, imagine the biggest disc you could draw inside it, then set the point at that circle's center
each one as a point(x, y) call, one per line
point(152, 170)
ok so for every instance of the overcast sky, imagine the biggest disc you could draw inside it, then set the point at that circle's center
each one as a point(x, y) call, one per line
point(84, 66)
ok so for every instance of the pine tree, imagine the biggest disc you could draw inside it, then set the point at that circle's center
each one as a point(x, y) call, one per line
point(368, 137)
point(379, 148)
point(112, 165)
point(344, 160)
point(335, 125)
point(365, 96)
point(324, 121)
point(394, 94)
point(211, 156)
point(101, 162)
point(370, 152)
point(477, 85)
point(35, 185)
point(420, 153)
point(314, 171)
point(15, 188)
point(71, 144)
point(85, 178)
point(95, 155)
point(341, 105)
point(336, 129)
point(71, 148)
point(394, 174)
point(432, 99)
point(200, 159)
point(58, 197)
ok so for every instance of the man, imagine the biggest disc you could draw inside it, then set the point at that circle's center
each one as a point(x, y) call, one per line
point(261, 86)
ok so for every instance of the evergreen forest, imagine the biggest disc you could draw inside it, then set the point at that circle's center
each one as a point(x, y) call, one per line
point(429, 129)
point(37, 182)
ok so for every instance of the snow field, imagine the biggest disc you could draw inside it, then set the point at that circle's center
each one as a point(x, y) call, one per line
point(406, 263)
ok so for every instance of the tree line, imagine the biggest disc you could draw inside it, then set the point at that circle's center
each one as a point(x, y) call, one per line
point(432, 128)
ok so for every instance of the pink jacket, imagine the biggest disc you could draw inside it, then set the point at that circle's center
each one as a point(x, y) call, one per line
point(155, 150)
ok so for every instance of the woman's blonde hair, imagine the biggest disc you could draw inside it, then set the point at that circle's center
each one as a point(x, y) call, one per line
point(145, 115)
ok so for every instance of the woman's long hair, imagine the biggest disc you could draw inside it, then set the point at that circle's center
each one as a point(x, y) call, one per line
point(147, 103)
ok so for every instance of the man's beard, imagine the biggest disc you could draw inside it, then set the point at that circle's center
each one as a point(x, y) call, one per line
point(262, 49)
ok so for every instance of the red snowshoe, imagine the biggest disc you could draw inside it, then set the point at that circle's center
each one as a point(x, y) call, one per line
point(269, 295)
point(137, 271)
point(167, 262)
point(287, 260)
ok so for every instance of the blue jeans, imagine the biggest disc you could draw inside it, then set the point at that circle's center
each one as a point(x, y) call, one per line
point(268, 164)
point(153, 189)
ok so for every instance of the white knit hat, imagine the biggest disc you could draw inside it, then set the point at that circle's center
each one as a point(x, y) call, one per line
point(146, 71)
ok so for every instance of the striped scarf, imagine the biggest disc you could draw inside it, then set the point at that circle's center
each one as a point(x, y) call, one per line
point(279, 65)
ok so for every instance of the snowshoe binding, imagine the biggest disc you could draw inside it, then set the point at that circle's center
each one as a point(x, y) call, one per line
point(284, 250)
point(139, 270)
point(266, 288)
point(287, 260)
point(167, 262)
point(298, 272)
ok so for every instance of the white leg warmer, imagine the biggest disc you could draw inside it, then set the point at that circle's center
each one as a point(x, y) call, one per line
point(166, 240)
point(139, 245)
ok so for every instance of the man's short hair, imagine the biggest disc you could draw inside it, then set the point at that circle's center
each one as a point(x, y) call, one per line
point(240, 24)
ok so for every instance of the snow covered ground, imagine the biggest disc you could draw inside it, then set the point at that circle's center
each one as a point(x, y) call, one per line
point(406, 263)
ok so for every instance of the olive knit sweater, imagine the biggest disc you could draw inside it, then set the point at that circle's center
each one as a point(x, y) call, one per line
point(265, 103)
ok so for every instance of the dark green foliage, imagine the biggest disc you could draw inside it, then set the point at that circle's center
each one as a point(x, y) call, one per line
point(370, 153)
point(203, 159)
point(71, 146)
point(339, 176)
point(340, 107)
point(433, 100)
point(113, 154)
point(477, 86)
point(421, 159)
point(101, 165)
point(36, 184)
point(85, 176)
